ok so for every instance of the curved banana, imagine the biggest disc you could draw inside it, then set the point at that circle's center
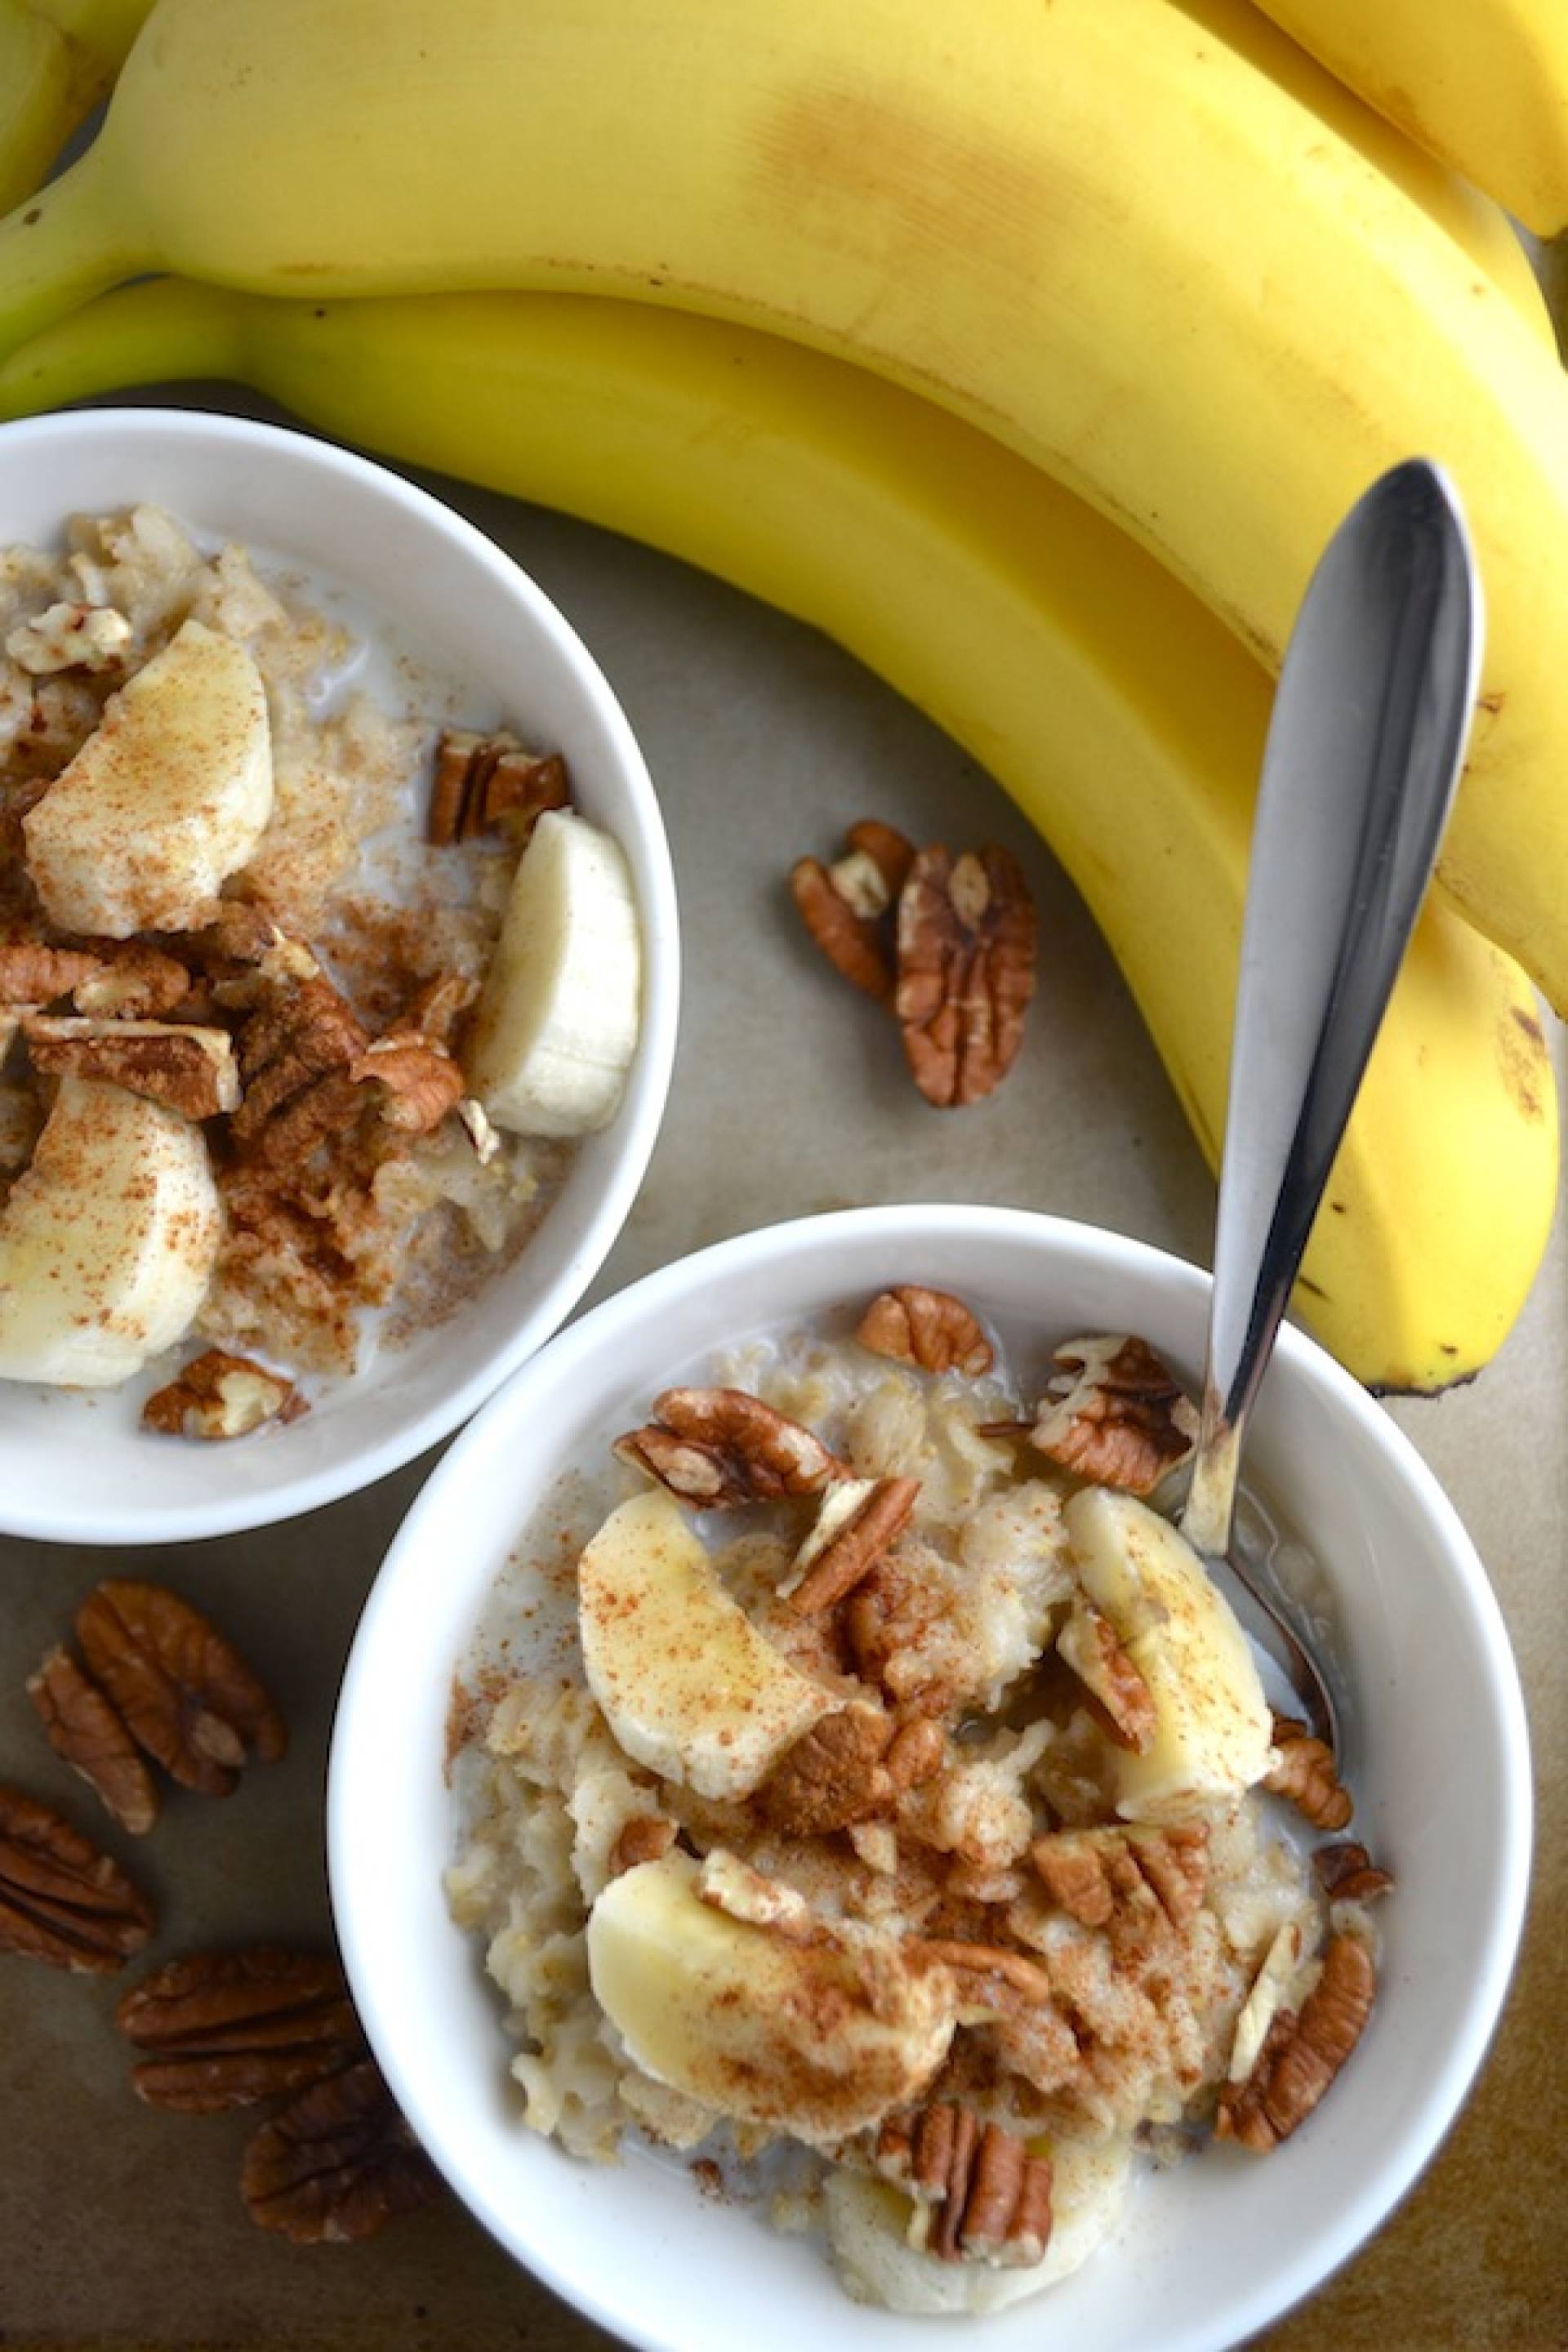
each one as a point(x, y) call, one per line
point(1481, 83)
point(1124, 720)
point(1098, 233)
point(57, 60)
point(1475, 223)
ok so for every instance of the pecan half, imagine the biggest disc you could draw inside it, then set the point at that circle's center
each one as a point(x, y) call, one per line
point(218, 1395)
point(1095, 1874)
point(304, 1031)
point(228, 2029)
point(847, 906)
point(31, 973)
point(1088, 1643)
point(337, 2164)
point(1114, 1414)
point(135, 982)
point(190, 1069)
point(1347, 1874)
point(929, 1328)
point(1305, 1776)
point(991, 2199)
point(60, 1899)
point(84, 1729)
point(187, 1695)
point(720, 1447)
point(853, 1550)
point(486, 783)
point(1301, 2055)
point(966, 972)
point(422, 1082)
point(835, 1774)
point(989, 1970)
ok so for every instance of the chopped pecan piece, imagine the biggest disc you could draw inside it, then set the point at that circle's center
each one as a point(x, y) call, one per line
point(437, 1005)
point(422, 1082)
point(1088, 1643)
point(85, 1729)
point(1347, 1874)
point(135, 982)
point(918, 1753)
point(930, 1328)
point(647, 1838)
point(337, 2164)
point(33, 974)
point(71, 636)
point(966, 972)
point(60, 1899)
point(1301, 2055)
point(720, 1447)
point(843, 907)
point(1113, 1414)
point(228, 2029)
point(486, 783)
point(219, 1395)
point(190, 1069)
point(987, 1968)
point(187, 1695)
point(1095, 1874)
point(1305, 1776)
point(991, 2199)
point(303, 1032)
point(852, 1551)
point(835, 1774)
point(727, 1883)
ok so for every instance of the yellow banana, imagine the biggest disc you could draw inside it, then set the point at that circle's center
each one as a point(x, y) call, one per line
point(1097, 232)
point(58, 59)
point(1481, 83)
point(1474, 221)
point(1127, 724)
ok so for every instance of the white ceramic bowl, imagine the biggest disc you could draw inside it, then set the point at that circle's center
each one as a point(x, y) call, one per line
point(1209, 2251)
point(77, 1469)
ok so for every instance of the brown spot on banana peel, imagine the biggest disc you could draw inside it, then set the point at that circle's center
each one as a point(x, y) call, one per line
point(1521, 1052)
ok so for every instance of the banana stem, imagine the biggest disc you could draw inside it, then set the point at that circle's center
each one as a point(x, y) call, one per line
point(164, 332)
point(59, 248)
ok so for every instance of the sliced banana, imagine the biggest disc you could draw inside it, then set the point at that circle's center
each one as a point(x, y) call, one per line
point(168, 796)
point(557, 1022)
point(685, 1682)
point(869, 2225)
point(752, 2023)
point(106, 1242)
point(1213, 1728)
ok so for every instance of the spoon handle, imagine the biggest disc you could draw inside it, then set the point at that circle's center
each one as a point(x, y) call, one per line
point(1363, 754)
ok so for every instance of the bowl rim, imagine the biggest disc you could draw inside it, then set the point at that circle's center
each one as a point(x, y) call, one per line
point(1455, 2068)
point(637, 1121)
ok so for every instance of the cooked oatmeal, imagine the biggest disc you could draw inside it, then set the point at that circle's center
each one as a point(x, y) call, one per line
point(868, 1790)
point(301, 960)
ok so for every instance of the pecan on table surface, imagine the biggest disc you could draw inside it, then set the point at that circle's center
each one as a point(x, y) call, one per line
point(218, 1395)
point(187, 1695)
point(62, 1900)
point(85, 1729)
point(189, 1069)
point(1112, 1414)
point(1302, 2055)
point(228, 2029)
point(849, 907)
point(338, 2163)
point(966, 972)
point(717, 1448)
point(929, 1328)
point(492, 783)
point(990, 2198)
point(1305, 1776)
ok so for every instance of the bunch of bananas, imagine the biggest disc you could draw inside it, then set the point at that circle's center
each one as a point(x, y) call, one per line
point(900, 305)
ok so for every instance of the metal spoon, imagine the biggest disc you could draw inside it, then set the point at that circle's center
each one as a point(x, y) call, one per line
point(1363, 754)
